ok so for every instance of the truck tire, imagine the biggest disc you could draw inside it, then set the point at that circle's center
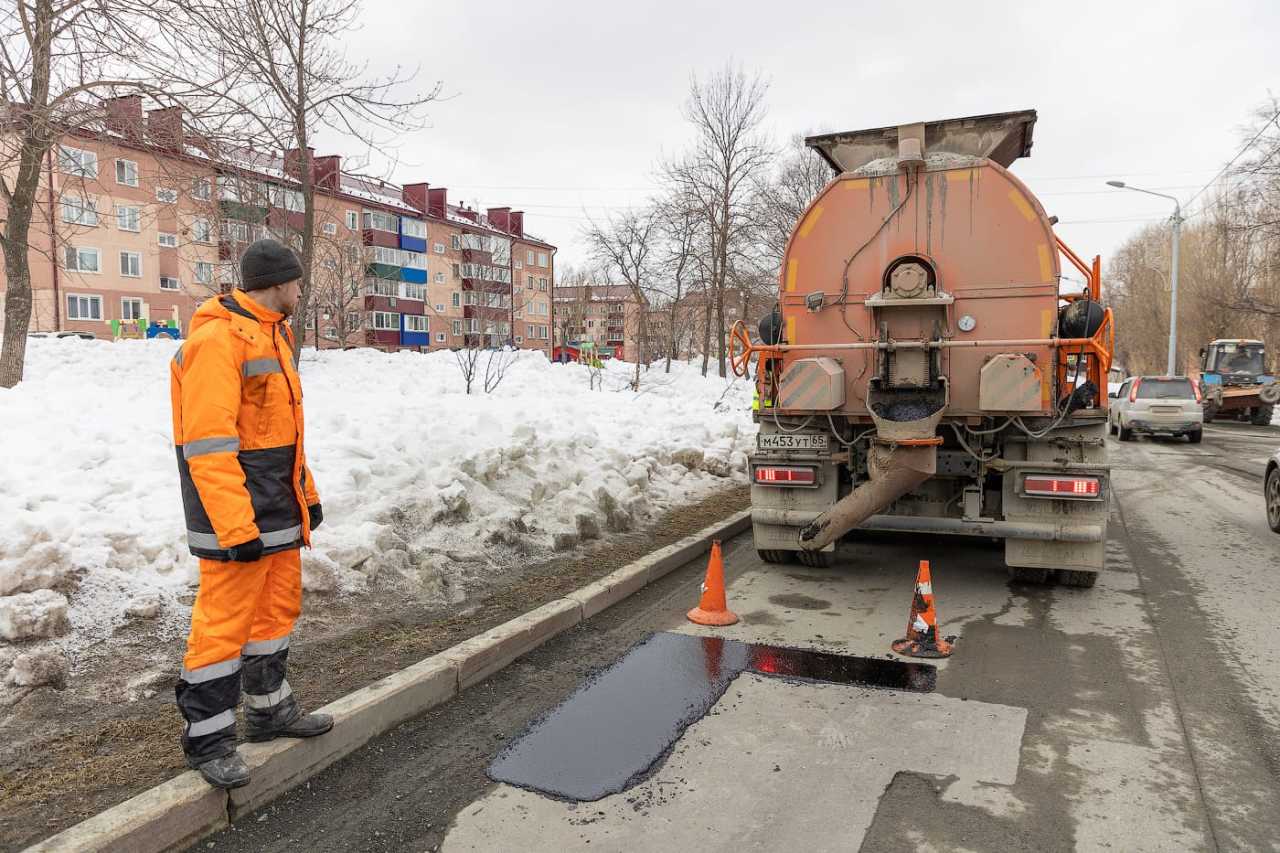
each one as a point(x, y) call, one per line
point(1271, 490)
point(771, 556)
point(815, 559)
point(1210, 412)
point(1126, 434)
point(1261, 415)
point(1194, 436)
point(1028, 575)
point(1071, 577)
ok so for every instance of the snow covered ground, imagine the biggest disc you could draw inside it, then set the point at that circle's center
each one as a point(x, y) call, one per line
point(422, 484)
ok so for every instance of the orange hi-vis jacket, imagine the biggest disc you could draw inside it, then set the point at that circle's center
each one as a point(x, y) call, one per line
point(237, 430)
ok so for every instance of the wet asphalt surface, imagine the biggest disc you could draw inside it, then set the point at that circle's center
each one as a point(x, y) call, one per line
point(1141, 715)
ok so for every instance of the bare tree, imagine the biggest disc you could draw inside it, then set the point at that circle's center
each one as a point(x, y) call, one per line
point(783, 196)
point(719, 173)
point(285, 74)
point(58, 58)
point(681, 234)
point(625, 245)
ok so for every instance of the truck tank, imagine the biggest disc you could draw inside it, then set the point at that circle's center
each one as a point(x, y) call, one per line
point(928, 369)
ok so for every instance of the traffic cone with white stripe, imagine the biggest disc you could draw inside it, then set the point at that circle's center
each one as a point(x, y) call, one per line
point(923, 639)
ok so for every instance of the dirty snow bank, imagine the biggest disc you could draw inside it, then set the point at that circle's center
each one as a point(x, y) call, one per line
point(425, 488)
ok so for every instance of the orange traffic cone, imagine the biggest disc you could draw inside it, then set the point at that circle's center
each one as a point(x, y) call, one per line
point(713, 609)
point(923, 640)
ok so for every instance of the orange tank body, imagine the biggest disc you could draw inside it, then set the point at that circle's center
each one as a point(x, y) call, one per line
point(979, 227)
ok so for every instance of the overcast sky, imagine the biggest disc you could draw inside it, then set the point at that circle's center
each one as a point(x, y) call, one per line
point(565, 105)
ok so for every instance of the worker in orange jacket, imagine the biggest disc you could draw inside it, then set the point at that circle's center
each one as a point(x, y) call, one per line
point(250, 505)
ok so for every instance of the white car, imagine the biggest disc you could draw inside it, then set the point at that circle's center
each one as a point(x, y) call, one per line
point(1156, 405)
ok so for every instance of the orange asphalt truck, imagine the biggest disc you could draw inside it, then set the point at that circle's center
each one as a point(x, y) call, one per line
point(927, 368)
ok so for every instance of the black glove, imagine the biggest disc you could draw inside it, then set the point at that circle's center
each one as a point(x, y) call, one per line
point(246, 552)
point(317, 515)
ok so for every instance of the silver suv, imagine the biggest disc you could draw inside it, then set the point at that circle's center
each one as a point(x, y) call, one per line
point(1156, 405)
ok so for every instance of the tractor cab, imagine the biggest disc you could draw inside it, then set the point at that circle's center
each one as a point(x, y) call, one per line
point(1234, 362)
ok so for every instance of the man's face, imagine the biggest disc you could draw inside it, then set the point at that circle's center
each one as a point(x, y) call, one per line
point(290, 293)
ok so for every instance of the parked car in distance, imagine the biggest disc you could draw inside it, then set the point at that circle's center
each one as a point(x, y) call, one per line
point(88, 336)
point(1156, 405)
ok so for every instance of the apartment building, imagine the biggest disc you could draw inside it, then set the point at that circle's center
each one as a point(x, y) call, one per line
point(605, 315)
point(137, 222)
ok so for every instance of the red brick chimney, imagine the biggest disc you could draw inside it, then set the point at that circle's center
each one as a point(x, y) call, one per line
point(517, 223)
point(500, 218)
point(165, 127)
point(438, 202)
point(328, 172)
point(293, 161)
point(124, 116)
point(415, 195)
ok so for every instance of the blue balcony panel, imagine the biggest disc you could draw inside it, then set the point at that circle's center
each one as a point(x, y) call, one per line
point(412, 276)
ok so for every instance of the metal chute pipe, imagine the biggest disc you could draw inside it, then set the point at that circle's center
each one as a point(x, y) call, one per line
point(895, 473)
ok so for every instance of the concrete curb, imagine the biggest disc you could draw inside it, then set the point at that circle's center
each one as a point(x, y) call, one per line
point(177, 813)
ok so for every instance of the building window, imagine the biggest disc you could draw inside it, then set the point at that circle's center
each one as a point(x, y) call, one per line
point(353, 319)
point(201, 232)
point(380, 287)
point(330, 334)
point(130, 309)
point(79, 209)
point(168, 241)
point(519, 339)
point(84, 307)
point(127, 173)
point(528, 257)
point(457, 327)
point(542, 285)
point(415, 323)
point(457, 299)
point(456, 273)
point(330, 228)
point(201, 190)
point(439, 248)
point(128, 218)
point(167, 283)
point(413, 228)
point(82, 260)
point(379, 221)
point(542, 259)
point(204, 272)
point(413, 291)
point(413, 260)
point(353, 220)
point(131, 264)
point(166, 195)
point(455, 241)
point(385, 321)
point(441, 337)
point(519, 264)
point(529, 281)
point(290, 200)
point(76, 161)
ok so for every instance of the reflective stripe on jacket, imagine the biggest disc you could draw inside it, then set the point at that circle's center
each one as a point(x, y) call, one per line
point(238, 430)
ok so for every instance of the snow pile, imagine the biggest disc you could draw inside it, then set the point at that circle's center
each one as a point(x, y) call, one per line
point(425, 489)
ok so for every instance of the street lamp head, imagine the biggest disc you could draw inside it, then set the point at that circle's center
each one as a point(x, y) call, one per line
point(1119, 184)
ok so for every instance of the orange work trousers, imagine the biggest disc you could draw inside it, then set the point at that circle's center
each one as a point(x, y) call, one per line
point(241, 603)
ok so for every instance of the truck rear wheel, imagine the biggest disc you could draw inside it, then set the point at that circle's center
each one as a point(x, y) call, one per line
point(1261, 415)
point(1028, 574)
point(815, 559)
point(1070, 577)
point(772, 556)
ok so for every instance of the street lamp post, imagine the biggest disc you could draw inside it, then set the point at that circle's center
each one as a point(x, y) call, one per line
point(1172, 365)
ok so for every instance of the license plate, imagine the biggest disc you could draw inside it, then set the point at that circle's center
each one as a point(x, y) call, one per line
point(796, 441)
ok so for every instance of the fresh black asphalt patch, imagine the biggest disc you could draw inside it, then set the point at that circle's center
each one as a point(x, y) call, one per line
point(611, 732)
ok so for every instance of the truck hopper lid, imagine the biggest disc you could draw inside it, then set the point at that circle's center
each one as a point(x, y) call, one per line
point(1002, 137)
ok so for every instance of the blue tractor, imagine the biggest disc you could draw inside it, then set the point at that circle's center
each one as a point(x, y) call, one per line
point(1235, 383)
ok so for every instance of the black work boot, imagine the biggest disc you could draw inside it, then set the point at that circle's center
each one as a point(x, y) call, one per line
point(305, 725)
point(229, 771)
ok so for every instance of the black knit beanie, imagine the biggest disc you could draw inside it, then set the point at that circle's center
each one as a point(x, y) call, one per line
point(267, 263)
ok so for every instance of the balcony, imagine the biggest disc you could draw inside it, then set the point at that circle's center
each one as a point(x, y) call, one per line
point(477, 256)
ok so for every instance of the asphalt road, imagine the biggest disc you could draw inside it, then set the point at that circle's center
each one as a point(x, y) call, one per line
point(1143, 714)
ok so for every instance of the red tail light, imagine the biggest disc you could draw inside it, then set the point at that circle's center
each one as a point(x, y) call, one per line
point(1045, 486)
point(1195, 386)
point(1133, 392)
point(774, 475)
